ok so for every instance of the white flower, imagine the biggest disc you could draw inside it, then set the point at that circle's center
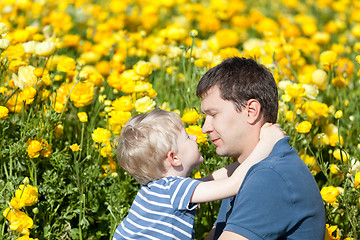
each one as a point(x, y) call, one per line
point(25, 77)
point(45, 48)
point(29, 47)
point(4, 43)
point(3, 29)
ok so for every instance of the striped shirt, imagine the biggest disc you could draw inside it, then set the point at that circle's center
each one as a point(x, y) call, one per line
point(161, 210)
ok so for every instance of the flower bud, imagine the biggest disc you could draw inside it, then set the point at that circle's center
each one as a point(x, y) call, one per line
point(26, 181)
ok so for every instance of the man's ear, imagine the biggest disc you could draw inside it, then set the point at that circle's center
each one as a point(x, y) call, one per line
point(253, 108)
point(173, 159)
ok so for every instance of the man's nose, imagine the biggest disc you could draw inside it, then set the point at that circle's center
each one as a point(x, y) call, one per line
point(207, 126)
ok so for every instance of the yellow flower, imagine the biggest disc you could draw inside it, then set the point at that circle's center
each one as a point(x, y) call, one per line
point(75, 147)
point(320, 78)
point(117, 120)
point(338, 114)
point(26, 237)
point(19, 221)
point(328, 58)
point(83, 117)
point(82, 94)
point(227, 38)
point(197, 175)
point(334, 169)
point(329, 194)
point(190, 117)
point(28, 195)
point(124, 103)
point(3, 112)
point(66, 64)
point(304, 127)
point(358, 58)
point(340, 155)
point(70, 40)
point(295, 90)
point(196, 130)
point(16, 203)
point(144, 105)
point(14, 52)
point(58, 131)
point(334, 139)
point(28, 94)
point(320, 139)
point(143, 68)
point(25, 77)
point(101, 135)
point(357, 180)
point(311, 163)
point(34, 148)
point(38, 72)
point(330, 231)
point(46, 151)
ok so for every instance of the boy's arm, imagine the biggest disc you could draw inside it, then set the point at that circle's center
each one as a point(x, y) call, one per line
point(221, 173)
point(228, 187)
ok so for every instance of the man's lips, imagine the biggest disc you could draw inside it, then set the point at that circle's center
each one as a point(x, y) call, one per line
point(215, 140)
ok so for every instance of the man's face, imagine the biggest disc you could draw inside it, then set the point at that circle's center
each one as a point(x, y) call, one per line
point(227, 127)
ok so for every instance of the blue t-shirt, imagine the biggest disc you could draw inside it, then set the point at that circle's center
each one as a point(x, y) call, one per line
point(279, 199)
point(161, 210)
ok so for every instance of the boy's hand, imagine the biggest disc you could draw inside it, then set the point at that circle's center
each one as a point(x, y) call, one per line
point(271, 133)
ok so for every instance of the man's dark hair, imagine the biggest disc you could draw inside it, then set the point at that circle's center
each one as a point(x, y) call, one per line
point(241, 79)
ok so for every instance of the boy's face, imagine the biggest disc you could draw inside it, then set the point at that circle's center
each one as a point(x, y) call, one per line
point(188, 151)
point(227, 128)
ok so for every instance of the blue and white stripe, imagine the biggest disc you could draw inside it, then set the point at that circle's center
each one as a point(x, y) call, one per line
point(161, 210)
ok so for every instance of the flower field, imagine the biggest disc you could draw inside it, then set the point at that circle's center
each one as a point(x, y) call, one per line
point(73, 72)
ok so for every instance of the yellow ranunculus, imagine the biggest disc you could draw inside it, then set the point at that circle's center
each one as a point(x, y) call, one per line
point(25, 77)
point(340, 155)
point(338, 114)
point(304, 127)
point(227, 38)
point(320, 139)
point(34, 148)
point(19, 221)
point(190, 117)
point(66, 64)
point(143, 68)
point(3, 112)
point(117, 120)
point(295, 90)
point(328, 58)
point(82, 94)
point(144, 105)
point(320, 78)
point(357, 180)
point(83, 117)
point(101, 135)
point(124, 103)
point(28, 195)
point(334, 138)
point(329, 194)
point(196, 130)
point(75, 147)
point(28, 94)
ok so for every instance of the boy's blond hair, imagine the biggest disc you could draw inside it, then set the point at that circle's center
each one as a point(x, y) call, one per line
point(145, 141)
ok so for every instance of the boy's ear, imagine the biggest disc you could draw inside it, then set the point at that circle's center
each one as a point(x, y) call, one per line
point(253, 108)
point(173, 159)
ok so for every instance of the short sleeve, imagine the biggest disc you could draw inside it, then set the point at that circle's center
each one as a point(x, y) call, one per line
point(263, 207)
point(181, 191)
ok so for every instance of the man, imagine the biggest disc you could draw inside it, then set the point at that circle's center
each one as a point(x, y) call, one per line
point(279, 198)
